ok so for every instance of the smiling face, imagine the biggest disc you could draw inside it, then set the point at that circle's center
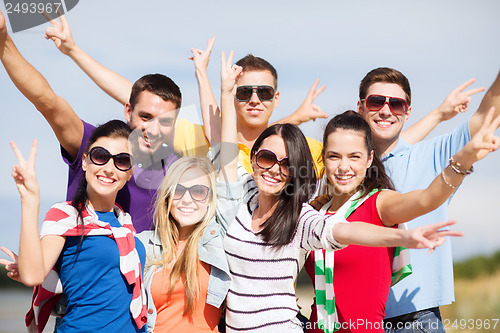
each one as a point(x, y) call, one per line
point(271, 182)
point(104, 181)
point(346, 161)
point(255, 113)
point(386, 127)
point(186, 211)
point(152, 120)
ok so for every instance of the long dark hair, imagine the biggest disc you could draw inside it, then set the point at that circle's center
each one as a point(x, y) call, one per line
point(376, 177)
point(281, 226)
point(111, 129)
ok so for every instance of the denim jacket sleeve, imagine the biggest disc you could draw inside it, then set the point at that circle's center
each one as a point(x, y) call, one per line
point(153, 247)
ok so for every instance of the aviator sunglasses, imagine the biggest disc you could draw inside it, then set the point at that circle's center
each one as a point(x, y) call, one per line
point(100, 156)
point(266, 159)
point(197, 192)
point(244, 93)
point(398, 106)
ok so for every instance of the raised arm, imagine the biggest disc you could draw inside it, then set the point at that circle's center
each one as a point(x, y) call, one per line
point(490, 99)
point(210, 111)
point(456, 102)
point(365, 234)
point(229, 136)
point(110, 82)
point(331, 233)
point(307, 110)
point(66, 125)
point(36, 256)
point(396, 207)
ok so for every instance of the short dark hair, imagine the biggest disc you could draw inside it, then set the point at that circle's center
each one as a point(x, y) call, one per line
point(376, 177)
point(280, 228)
point(386, 75)
point(252, 63)
point(159, 85)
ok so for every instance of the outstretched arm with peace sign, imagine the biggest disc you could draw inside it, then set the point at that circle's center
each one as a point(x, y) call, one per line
point(210, 111)
point(397, 207)
point(36, 256)
point(307, 110)
point(110, 82)
point(456, 102)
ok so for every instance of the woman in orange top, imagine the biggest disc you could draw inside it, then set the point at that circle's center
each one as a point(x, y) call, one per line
point(187, 275)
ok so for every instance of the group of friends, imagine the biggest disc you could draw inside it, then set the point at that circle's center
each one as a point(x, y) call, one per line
point(228, 213)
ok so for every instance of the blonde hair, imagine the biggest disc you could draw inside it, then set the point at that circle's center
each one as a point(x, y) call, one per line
point(185, 265)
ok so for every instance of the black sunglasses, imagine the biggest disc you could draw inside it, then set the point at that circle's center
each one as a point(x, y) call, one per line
point(266, 159)
point(244, 93)
point(398, 106)
point(197, 192)
point(100, 156)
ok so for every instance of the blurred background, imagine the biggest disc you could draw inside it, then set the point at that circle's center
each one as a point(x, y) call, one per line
point(437, 45)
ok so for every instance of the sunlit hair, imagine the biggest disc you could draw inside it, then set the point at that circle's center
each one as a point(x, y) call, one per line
point(111, 129)
point(385, 75)
point(157, 84)
point(280, 227)
point(375, 177)
point(251, 63)
point(166, 227)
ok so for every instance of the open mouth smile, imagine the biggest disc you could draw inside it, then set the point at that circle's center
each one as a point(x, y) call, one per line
point(271, 180)
point(105, 180)
point(344, 179)
point(384, 123)
point(186, 210)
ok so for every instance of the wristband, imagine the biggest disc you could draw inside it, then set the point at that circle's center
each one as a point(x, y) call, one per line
point(457, 168)
point(446, 182)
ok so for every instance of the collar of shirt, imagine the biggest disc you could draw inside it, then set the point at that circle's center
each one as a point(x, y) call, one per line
point(401, 147)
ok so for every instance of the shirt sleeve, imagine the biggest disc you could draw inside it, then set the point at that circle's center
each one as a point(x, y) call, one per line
point(447, 145)
point(228, 201)
point(316, 148)
point(75, 172)
point(189, 139)
point(314, 230)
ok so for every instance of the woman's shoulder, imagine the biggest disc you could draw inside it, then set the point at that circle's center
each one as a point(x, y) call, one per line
point(321, 200)
point(145, 235)
point(385, 194)
point(61, 211)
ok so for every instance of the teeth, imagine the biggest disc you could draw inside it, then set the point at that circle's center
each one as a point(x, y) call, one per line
point(344, 177)
point(272, 180)
point(186, 210)
point(384, 123)
point(105, 179)
point(254, 111)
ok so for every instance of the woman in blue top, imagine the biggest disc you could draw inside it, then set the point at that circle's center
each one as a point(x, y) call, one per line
point(87, 243)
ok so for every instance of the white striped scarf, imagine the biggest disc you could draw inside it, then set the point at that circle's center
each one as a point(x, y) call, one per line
point(323, 268)
point(61, 220)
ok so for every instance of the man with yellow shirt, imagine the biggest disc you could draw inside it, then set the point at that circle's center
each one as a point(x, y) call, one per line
point(255, 99)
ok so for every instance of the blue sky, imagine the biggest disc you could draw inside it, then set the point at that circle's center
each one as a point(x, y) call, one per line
point(437, 45)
